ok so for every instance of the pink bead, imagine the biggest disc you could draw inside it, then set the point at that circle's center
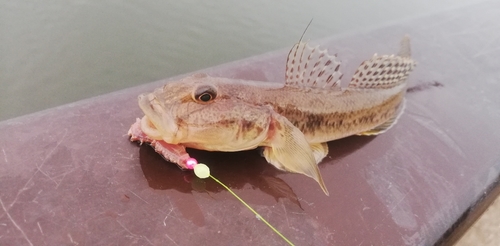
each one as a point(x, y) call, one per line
point(191, 162)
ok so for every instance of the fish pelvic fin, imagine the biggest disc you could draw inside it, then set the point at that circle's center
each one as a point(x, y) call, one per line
point(384, 71)
point(311, 67)
point(287, 149)
point(386, 125)
point(320, 150)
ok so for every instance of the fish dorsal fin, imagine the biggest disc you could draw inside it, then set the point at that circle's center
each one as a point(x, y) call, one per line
point(311, 67)
point(384, 71)
point(404, 49)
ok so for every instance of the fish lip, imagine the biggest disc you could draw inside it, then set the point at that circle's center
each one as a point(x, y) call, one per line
point(160, 116)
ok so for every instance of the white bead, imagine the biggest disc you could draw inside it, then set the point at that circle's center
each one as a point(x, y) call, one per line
point(201, 171)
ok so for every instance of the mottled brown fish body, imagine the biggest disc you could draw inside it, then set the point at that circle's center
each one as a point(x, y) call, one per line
point(325, 115)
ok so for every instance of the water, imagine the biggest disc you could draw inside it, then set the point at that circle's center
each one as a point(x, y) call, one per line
point(60, 51)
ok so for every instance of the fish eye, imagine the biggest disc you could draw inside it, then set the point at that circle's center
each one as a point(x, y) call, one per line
point(205, 97)
point(205, 94)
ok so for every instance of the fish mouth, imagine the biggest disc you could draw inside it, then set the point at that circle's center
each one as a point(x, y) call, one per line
point(158, 122)
point(150, 129)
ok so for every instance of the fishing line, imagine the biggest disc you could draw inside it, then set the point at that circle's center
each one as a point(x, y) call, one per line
point(202, 171)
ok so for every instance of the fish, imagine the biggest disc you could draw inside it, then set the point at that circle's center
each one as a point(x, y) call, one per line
point(291, 122)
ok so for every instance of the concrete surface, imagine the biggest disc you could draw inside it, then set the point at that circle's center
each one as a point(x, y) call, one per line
point(69, 175)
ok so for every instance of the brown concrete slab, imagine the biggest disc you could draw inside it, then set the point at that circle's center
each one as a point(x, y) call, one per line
point(69, 175)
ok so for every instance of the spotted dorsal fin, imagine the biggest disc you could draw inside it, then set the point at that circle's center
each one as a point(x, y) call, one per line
point(384, 71)
point(311, 67)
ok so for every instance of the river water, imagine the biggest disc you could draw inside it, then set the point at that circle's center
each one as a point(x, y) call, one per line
point(59, 51)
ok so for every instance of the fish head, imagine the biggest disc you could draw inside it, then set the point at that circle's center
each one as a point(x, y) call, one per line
point(203, 112)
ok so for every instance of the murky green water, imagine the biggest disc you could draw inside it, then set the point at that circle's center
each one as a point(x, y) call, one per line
point(59, 51)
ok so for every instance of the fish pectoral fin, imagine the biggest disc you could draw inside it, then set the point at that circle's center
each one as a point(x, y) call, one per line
point(312, 67)
point(320, 150)
point(287, 149)
point(386, 125)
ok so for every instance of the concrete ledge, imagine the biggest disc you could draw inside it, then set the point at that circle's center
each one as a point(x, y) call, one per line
point(70, 175)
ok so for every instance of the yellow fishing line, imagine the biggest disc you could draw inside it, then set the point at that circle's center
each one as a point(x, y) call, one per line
point(202, 171)
point(251, 209)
